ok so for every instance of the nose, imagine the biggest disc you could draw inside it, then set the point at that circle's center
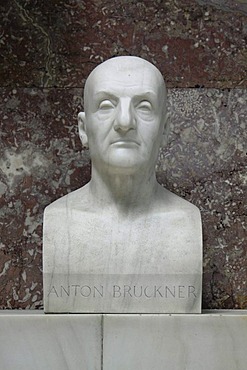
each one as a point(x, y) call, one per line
point(124, 120)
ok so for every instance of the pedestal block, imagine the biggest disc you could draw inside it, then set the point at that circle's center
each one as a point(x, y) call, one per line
point(176, 342)
point(34, 341)
point(212, 340)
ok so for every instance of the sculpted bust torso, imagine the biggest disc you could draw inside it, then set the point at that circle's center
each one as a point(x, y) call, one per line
point(122, 223)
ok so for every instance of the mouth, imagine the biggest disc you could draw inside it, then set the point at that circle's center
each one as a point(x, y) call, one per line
point(125, 142)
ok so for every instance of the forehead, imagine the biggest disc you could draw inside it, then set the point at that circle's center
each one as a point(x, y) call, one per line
point(125, 78)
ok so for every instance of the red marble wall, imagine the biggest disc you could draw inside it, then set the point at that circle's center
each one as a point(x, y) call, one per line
point(48, 48)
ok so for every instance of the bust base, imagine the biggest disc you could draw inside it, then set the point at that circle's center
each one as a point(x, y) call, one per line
point(213, 340)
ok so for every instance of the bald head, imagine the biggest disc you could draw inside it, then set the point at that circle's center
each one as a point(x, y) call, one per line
point(129, 69)
point(125, 115)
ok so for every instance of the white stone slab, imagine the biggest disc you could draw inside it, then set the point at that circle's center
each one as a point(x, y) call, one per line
point(49, 342)
point(175, 342)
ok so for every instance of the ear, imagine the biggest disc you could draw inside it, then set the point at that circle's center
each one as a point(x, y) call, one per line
point(82, 129)
point(166, 129)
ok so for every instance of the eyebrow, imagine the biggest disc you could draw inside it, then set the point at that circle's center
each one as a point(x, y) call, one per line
point(104, 92)
point(150, 94)
point(143, 95)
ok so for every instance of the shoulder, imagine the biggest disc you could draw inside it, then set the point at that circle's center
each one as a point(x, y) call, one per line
point(69, 202)
point(184, 217)
point(171, 202)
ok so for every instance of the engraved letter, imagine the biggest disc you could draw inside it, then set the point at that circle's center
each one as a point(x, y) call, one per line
point(191, 290)
point(75, 286)
point(181, 291)
point(127, 289)
point(66, 291)
point(97, 290)
point(145, 292)
point(157, 290)
point(85, 291)
point(116, 290)
point(172, 293)
point(135, 294)
point(53, 291)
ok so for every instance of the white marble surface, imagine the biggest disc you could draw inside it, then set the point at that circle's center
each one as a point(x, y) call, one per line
point(175, 342)
point(122, 243)
point(211, 341)
point(34, 341)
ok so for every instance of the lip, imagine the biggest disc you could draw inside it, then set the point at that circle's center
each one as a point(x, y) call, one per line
point(125, 142)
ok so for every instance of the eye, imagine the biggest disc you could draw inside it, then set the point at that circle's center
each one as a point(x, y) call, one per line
point(106, 104)
point(144, 106)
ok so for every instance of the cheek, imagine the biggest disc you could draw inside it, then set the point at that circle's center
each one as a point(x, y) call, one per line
point(105, 116)
point(145, 116)
point(151, 130)
point(100, 123)
point(152, 140)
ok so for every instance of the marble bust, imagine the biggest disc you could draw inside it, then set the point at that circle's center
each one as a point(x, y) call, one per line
point(123, 243)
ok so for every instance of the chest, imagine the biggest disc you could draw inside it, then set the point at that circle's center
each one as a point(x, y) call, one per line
point(154, 244)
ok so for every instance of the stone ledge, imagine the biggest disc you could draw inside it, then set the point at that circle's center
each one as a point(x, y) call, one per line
point(213, 340)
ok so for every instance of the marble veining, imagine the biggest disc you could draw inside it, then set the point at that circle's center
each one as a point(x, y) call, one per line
point(35, 341)
point(212, 340)
point(193, 43)
point(175, 342)
point(204, 162)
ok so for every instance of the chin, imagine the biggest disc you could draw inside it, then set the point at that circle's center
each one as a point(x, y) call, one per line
point(125, 166)
point(122, 171)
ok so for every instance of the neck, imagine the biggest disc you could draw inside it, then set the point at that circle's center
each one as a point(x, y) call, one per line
point(124, 193)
